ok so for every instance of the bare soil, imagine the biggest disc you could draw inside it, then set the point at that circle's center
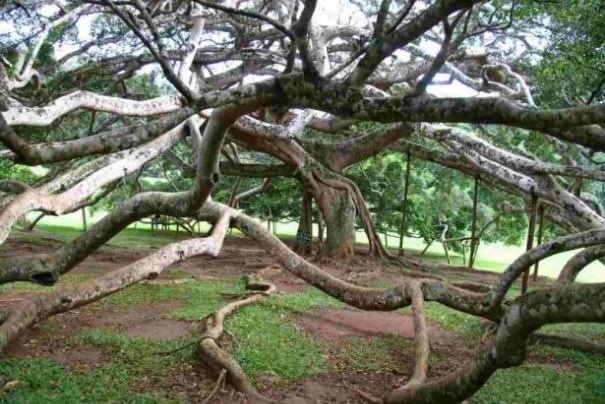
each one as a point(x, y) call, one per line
point(336, 323)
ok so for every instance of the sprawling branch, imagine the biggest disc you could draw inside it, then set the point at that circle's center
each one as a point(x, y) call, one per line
point(66, 298)
point(44, 116)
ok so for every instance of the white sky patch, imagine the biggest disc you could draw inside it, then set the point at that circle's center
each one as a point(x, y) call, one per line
point(327, 13)
point(339, 13)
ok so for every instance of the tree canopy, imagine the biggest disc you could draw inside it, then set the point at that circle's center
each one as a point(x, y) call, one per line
point(313, 111)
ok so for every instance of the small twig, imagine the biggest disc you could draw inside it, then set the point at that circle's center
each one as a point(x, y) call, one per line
point(220, 380)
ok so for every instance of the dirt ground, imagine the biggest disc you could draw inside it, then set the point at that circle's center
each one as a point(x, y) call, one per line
point(239, 257)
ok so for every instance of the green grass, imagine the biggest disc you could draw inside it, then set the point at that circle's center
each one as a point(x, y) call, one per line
point(591, 331)
point(42, 381)
point(68, 279)
point(308, 300)
point(200, 298)
point(265, 340)
point(137, 355)
point(467, 326)
point(544, 383)
point(376, 353)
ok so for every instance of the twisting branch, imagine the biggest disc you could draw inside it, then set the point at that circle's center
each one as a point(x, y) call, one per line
point(252, 191)
point(166, 68)
point(536, 254)
point(578, 262)
point(520, 81)
point(44, 116)
point(43, 306)
point(107, 142)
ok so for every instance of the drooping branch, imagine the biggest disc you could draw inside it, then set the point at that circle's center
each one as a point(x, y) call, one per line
point(360, 297)
point(421, 341)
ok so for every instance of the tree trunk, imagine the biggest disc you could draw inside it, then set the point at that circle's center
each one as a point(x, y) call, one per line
point(304, 235)
point(338, 211)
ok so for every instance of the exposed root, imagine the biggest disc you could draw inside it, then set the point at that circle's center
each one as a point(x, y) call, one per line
point(221, 361)
point(344, 184)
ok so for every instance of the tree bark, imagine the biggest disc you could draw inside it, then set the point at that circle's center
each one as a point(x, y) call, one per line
point(304, 236)
point(338, 211)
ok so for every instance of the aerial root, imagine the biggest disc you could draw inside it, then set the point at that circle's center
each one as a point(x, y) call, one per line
point(217, 358)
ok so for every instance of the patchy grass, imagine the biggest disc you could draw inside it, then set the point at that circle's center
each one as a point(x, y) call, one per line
point(374, 353)
point(137, 355)
point(467, 326)
point(42, 380)
point(200, 298)
point(308, 300)
point(264, 336)
point(135, 295)
point(545, 383)
point(265, 340)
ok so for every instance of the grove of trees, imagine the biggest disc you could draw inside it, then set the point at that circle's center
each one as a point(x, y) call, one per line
point(314, 112)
